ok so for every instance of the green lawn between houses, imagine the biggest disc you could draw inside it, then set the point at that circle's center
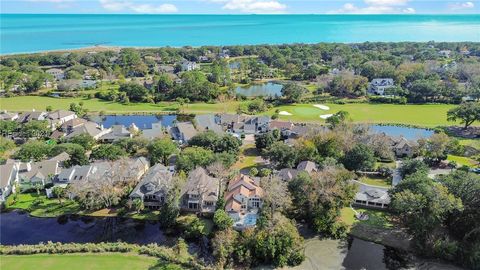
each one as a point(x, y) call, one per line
point(41, 206)
point(377, 218)
point(462, 161)
point(421, 115)
point(108, 261)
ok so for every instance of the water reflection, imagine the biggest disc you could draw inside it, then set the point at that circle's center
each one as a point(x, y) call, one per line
point(256, 90)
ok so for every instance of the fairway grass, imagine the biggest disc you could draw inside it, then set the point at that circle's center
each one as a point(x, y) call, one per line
point(421, 115)
point(109, 261)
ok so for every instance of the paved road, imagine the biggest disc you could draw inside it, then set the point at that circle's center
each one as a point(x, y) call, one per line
point(396, 177)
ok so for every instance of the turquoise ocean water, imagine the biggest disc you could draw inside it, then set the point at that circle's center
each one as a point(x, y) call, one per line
point(33, 33)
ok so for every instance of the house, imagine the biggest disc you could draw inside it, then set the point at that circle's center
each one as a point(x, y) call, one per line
point(8, 116)
point(203, 58)
point(157, 131)
point(403, 148)
point(200, 194)
point(154, 187)
point(256, 125)
point(43, 172)
point(445, 53)
point(243, 199)
point(8, 177)
point(30, 116)
point(90, 128)
point(57, 73)
point(371, 196)
point(70, 125)
point(208, 122)
point(183, 132)
point(229, 120)
point(165, 69)
point(225, 54)
point(58, 117)
point(127, 168)
point(188, 65)
point(74, 84)
point(378, 86)
point(287, 174)
point(284, 127)
point(116, 133)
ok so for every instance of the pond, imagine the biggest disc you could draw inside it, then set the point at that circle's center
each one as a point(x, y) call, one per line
point(408, 132)
point(256, 90)
point(141, 121)
point(20, 228)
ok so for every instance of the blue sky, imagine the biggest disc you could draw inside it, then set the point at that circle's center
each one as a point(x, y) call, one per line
point(242, 6)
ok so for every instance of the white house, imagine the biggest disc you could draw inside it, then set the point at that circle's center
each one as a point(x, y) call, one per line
point(8, 177)
point(59, 117)
point(188, 65)
point(378, 86)
point(371, 196)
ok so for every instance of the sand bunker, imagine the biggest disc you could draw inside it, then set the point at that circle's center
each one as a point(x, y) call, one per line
point(325, 116)
point(322, 107)
point(284, 113)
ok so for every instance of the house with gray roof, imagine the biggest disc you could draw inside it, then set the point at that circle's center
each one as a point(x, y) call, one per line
point(25, 117)
point(8, 177)
point(182, 132)
point(90, 128)
point(403, 147)
point(154, 186)
point(43, 172)
point(371, 196)
point(287, 174)
point(256, 124)
point(116, 133)
point(157, 131)
point(58, 117)
point(200, 194)
point(208, 122)
point(8, 116)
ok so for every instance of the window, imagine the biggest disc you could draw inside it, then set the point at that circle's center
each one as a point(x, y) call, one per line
point(208, 203)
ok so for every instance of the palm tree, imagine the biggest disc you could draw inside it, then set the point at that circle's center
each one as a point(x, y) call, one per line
point(59, 193)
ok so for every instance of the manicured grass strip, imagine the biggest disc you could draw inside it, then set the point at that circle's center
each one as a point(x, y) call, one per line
point(376, 181)
point(247, 157)
point(45, 207)
point(377, 218)
point(110, 261)
point(462, 161)
point(422, 115)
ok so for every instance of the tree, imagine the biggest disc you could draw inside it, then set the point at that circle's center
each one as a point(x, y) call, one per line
point(423, 204)
point(337, 119)
point(228, 143)
point(35, 150)
point(467, 113)
point(223, 246)
point(319, 198)
point(222, 220)
point(58, 192)
point(107, 152)
point(360, 157)
point(138, 205)
point(170, 209)
point(281, 155)
point(78, 109)
point(276, 195)
point(132, 145)
point(35, 129)
point(192, 157)
point(85, 140)
point(264, 140)
point(435, 149)
point(292, 92)
point(207, 139)
point(75, 151)
point(411, 166)
point(8, 127)
point(160, 150)
point(135, 92)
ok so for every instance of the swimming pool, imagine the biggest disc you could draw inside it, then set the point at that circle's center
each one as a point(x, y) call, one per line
point(250, 220)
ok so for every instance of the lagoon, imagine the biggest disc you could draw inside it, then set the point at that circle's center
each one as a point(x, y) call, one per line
point(260, 90)
point(41, 32)
point(408, 133)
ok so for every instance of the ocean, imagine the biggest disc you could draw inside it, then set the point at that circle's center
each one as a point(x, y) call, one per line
point(21, 33)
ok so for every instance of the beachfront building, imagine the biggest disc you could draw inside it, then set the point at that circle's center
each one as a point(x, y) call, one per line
point(200, 194)
point(154, 187)
point(243, 199)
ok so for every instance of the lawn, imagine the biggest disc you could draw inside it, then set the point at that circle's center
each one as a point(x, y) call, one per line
point(45, 207)
point(462, 161)
point(421, 115)
point(110, 261)
point(247, 157)
point(375, 180)
point(377, 219)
